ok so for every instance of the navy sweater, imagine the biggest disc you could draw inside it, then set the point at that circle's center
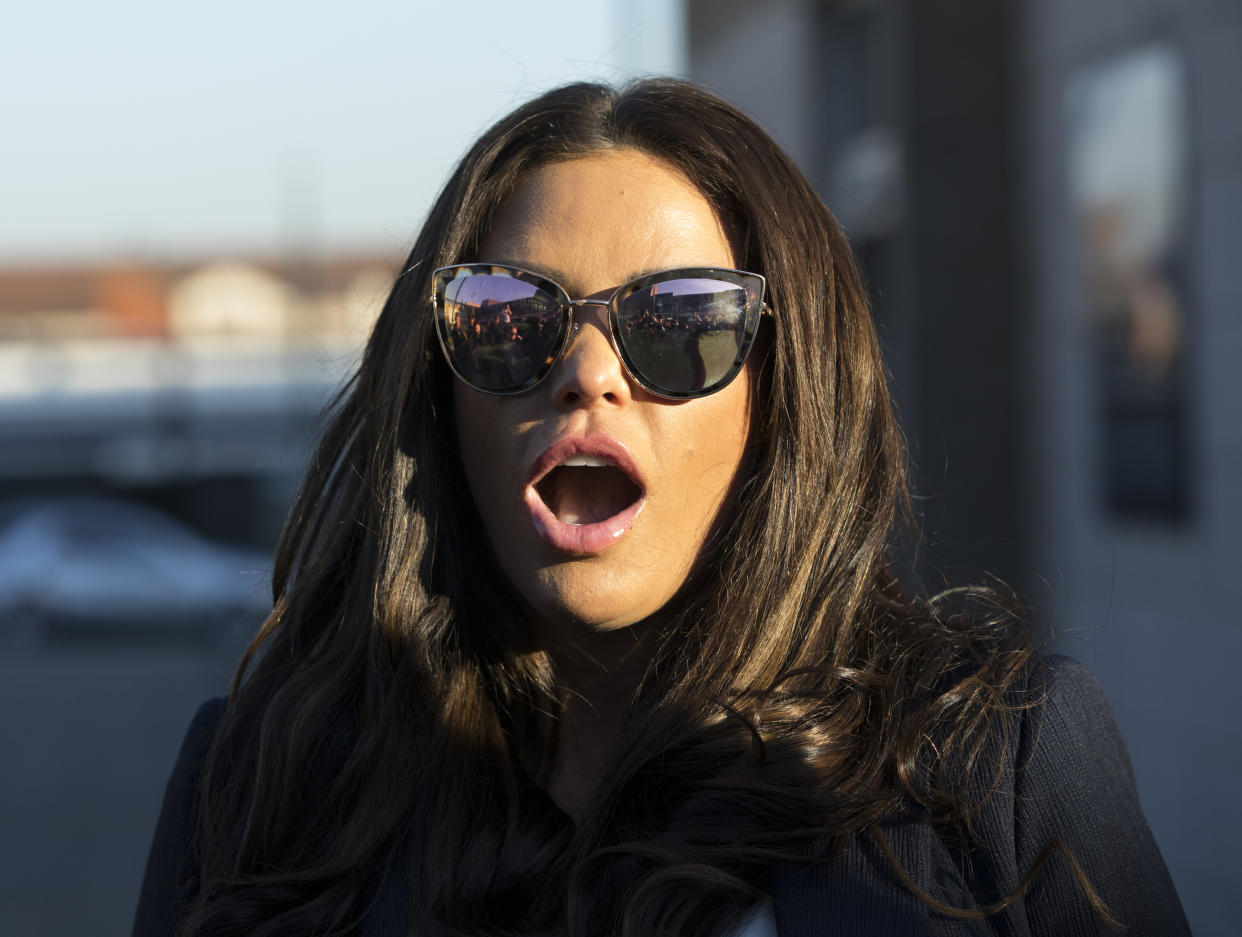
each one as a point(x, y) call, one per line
point(1066, 775)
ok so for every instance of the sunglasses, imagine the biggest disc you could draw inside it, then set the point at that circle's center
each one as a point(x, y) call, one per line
point(679, 333)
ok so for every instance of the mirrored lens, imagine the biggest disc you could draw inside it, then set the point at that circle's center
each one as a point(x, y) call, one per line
point(500, 332)
point(684, 335)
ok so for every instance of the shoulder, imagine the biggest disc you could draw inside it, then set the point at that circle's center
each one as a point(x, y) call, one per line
point(1070, 759)
point(1075, 800)
point(1070, 710)
point(1054, 777)
point(170, 874)
point(1067, 726)
point(208, 715)
point(201, 729)
point(183, 782)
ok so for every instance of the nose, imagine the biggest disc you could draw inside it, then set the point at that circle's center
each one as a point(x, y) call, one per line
point(589, 370)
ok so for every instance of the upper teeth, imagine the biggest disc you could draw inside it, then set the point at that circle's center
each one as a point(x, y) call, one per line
point(587, 461)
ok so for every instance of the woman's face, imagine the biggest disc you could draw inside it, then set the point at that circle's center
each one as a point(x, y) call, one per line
point(606, 542)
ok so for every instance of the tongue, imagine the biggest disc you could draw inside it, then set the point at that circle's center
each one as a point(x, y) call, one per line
point(579, 495)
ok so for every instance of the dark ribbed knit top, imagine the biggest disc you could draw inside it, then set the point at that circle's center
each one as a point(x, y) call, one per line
point(1066, 776)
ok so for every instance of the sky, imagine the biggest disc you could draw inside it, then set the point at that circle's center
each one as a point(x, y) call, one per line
point(147, 130)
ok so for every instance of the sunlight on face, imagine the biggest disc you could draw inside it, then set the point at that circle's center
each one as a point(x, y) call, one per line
point(597, 496)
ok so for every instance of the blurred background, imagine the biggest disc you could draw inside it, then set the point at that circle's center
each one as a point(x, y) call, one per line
point(201, 210)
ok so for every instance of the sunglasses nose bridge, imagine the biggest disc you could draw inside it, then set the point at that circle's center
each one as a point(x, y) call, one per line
point(574, 324)
point(588, 302)
point(588, 366)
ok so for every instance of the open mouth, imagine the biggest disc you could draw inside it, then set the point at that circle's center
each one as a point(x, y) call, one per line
point(587, 490)
point(585, 494)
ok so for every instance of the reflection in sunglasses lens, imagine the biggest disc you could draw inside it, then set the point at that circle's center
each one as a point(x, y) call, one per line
point(502, 332)
point(683, 335)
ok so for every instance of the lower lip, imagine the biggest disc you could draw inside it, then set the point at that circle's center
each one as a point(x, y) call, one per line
point(580, 539)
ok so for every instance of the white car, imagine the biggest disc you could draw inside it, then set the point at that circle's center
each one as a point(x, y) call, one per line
point(106, 568)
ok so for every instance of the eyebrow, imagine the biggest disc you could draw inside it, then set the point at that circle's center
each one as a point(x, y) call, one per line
point(564, 280)
point(560, 276)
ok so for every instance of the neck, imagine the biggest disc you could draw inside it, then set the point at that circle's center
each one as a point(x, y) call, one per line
point(600, 677)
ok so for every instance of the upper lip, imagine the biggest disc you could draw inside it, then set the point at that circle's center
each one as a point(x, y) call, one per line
point(604, 447)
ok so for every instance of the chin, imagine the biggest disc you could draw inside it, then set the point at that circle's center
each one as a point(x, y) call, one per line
point(577, 599)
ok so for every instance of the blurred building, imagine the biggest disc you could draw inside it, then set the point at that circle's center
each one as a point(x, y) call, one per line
point(328, 300)
point(1046, 198)
point(187, 386)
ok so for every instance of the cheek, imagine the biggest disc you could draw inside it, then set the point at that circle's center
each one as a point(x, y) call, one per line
point(725, 427)
point(711, 439)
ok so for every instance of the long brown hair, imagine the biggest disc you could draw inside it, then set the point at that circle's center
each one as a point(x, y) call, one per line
point(390, 708)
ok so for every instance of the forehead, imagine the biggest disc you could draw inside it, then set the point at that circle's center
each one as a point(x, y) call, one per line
point(597, 221)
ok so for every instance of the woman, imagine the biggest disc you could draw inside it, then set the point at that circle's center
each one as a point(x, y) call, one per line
point(585, 620)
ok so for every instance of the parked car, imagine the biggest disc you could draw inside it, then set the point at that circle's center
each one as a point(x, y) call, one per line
point(106, 568)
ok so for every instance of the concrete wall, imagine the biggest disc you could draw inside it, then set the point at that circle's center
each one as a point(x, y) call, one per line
point(1150, 606)
point(759, 56)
